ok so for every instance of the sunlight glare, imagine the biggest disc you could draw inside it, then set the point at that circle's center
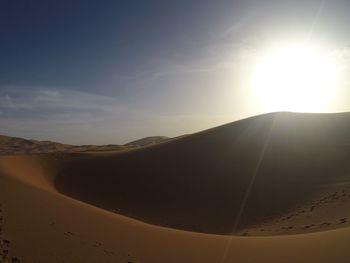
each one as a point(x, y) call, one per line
point(294, 78)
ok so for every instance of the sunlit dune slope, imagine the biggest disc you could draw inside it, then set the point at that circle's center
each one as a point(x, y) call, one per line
point(147, 141)
point(232, 179)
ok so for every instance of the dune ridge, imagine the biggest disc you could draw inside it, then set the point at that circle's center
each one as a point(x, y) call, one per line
point(198, 183)
point(87, 202)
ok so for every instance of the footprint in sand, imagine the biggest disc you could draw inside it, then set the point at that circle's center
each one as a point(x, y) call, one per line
point(309, 226)
point(343, 220)
point(97, 244)
point(325, 224)
point(4, 249)
point(15, 260)
point(109, 253)
point(68, 233)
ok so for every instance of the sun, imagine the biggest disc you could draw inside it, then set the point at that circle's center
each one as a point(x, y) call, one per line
point(294, 78)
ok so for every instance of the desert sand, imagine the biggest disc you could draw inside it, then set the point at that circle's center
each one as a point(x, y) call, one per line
point(17, 146)
point(271, 188)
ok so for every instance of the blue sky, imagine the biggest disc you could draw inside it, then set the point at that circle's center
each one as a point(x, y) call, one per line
point(113, 71)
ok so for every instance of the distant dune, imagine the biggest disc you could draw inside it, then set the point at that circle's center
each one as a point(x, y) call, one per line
point(282, 176)
point(148, 141)
point(14, 145)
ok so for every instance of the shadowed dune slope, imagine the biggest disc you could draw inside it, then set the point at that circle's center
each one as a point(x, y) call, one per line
point(221, 180)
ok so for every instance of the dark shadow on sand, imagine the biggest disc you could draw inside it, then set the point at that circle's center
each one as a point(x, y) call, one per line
point(198, 182)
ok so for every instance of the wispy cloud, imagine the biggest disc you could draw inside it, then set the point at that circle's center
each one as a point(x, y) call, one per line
point(44, 112)
point(37, 98)
point(82, 118)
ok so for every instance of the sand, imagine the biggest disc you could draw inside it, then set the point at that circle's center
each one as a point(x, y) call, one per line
point(19, 146)
point(272, 188)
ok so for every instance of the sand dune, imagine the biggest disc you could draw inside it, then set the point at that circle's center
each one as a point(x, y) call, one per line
point(283, 176)
point(147, 141)
point(198, 183)
point(14, 145)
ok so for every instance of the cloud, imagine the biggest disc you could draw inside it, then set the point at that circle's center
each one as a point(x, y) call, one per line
point(85, 118)
point(232, 30)
point(33, 99)
point(178, 69)
point(44, 112)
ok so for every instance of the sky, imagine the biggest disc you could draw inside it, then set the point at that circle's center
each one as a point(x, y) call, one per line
point(98, 72)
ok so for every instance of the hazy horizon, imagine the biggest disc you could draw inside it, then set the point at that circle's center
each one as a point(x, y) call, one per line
point(83, 72)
